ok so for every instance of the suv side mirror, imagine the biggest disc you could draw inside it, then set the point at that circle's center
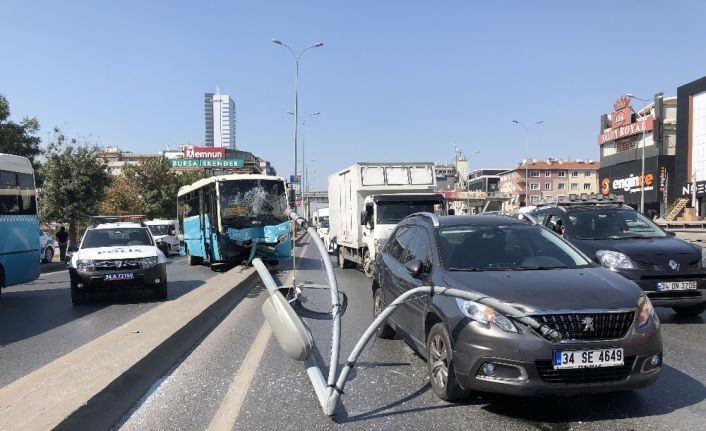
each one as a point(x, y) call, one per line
point(414, 267)
point(362, 218)
point(172, 232)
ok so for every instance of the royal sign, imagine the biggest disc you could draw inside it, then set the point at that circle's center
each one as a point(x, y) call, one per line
point(629, 130)
point(191, 152)
point(207, 163)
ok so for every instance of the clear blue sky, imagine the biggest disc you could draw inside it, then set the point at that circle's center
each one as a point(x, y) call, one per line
point(396, 80)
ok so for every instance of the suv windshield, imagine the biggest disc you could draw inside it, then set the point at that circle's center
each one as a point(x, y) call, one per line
point(511, 247)
point(394, 212)
point(159, 229)
point(244, 201)
point(115, 237)
point(612, 223)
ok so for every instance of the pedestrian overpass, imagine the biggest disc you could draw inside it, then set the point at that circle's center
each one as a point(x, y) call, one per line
point(309, 198)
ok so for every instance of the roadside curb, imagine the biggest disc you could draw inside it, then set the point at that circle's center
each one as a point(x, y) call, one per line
point(93, 386)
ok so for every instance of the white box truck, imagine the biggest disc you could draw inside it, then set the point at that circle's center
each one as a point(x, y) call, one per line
point(367, 200)
point(321, 224)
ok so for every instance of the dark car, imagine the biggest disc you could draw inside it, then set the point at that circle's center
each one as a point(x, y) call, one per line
point(610, 336)
point(670, 270)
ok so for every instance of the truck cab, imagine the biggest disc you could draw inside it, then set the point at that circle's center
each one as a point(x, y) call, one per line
point(383, 212)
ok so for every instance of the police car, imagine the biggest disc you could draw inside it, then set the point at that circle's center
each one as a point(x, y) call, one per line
point(117, 253)
point(669, 270)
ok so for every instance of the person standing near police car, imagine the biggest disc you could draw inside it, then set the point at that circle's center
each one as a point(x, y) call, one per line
point(62, 238)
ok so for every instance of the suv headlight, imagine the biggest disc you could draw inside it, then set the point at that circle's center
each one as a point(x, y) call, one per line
point(614, 260)
point(148, 262)
point(484, 314)
point(645, 310)
point(85, 265)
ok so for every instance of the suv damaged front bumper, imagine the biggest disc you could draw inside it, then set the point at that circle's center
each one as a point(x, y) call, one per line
point(522, 362)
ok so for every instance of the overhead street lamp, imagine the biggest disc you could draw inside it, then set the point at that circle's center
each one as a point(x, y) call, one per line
point(297, 58)
point(642, 172)
point(526, 129)
point(303, 123)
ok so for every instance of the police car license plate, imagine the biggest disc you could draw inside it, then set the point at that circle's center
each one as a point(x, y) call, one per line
point(119, 276)
point(568, 359)
point(677, 285)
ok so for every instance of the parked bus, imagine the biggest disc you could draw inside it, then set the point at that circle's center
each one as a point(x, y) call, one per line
point(19, 224)
point(230, 219)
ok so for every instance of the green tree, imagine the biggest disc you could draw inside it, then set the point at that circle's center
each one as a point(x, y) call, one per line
point(74, 181)
point(19, 138)
point(148, 188)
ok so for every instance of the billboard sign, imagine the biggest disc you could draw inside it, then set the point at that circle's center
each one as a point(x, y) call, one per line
point(191, 152)
point(207, 163)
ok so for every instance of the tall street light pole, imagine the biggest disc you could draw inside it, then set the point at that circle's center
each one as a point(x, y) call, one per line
point(297, 58)
point(642, 172)
point(526, 129)
point(304, 121)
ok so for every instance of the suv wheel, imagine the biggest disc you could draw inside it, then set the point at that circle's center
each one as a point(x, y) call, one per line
point(690, 310)
point(384, 331)
point(160, 290)
point(48, 254)
point(78, 296)
point(440, 365)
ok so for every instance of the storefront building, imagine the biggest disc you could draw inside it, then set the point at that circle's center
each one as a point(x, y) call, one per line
point(626, 137)
point(690, 157)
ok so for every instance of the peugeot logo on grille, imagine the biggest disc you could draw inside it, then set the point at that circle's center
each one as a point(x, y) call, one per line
point(588, 324)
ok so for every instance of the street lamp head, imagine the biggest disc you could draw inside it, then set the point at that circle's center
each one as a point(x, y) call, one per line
point(316, 113)
point(515, 121)
point(290, 112)
point(540, 122)
point(318, 44)
point(277, 41)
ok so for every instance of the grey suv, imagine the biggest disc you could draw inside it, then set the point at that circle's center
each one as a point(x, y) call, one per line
point(610, 336)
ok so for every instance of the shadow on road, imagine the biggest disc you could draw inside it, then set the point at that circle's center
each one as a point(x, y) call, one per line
point(23, 315)
point(651, 401)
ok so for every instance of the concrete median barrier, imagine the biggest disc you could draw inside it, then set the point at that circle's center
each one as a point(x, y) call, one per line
point(96, 384)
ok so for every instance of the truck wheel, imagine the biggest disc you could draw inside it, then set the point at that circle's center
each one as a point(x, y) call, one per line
point(342, 261)
point(690, 310)
point(368, 265)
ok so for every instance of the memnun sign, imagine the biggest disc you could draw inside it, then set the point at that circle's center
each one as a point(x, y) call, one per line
point(207, 163)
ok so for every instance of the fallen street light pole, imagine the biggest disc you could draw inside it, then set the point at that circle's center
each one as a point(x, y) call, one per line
point(296, 339)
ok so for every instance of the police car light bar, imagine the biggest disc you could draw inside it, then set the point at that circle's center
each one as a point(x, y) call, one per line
point(96, 220)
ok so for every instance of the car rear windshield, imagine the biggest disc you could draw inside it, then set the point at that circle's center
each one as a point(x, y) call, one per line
point(159, 229)
point(115, 237)
point(510, 247)
point(613, 224)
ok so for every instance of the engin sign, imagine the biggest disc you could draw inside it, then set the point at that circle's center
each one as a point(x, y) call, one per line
point(191, 152)
point(631, 184)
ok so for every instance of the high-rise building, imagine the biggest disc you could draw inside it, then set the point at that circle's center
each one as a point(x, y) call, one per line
point(219, 110)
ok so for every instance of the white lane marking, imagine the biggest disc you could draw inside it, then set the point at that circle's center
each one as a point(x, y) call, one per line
point(228, 411)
